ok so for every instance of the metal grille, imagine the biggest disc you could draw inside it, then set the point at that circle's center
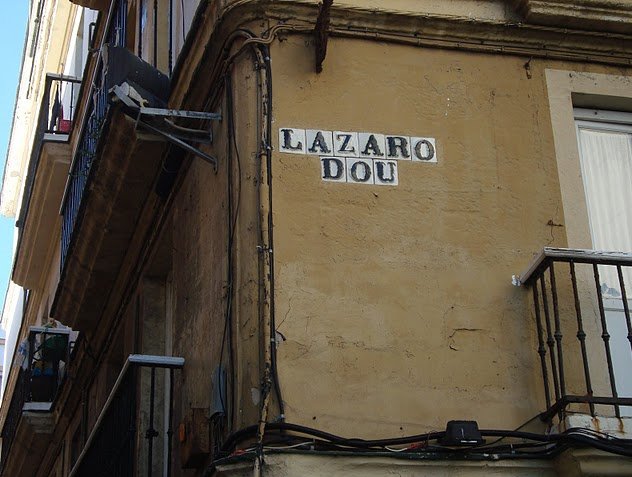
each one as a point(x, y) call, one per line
point(13, 416)
point(91, 132)
point(114, 447)
point(111, 452)
point(576, 335)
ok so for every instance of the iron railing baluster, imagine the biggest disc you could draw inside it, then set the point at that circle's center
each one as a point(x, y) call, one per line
point(151, 432)
point(170, 422)
point(558, 329)
point(541, 347)
point(550, 341)
point(605, 336)
point(581, 336)
point(626, 307)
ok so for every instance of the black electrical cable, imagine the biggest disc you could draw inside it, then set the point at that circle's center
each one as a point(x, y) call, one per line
point(315, 448)
point(550, 444)
point(598, 434)
point(576, 437)
point(267, 146)
point(524, 424)
point(232, 221)
point(250, 431)
point(517, 434)
point(263, 50)
point(268, 151)
point(233, 211)
point(233, 138)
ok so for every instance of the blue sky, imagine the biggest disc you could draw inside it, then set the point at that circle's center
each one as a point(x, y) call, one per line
point(12, 28)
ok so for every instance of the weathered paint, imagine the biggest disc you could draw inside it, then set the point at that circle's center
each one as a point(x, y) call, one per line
point(396, 303)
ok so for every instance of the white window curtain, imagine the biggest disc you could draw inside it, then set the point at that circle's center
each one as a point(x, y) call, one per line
point(606, 162)
point(605, 148)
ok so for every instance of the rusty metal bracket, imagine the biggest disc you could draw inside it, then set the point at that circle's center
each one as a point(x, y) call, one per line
point(160, 122)
point(321, 33)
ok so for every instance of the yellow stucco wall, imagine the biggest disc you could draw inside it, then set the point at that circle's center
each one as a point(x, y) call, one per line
point(396, 303)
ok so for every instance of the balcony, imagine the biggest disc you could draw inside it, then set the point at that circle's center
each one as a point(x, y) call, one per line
point(584, 331)
point(48, 169)
point(133, 433)
point(111, 176)
point(91, 128)
point(46, 354)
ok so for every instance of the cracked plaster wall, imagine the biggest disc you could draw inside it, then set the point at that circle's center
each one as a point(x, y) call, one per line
point(395, 303)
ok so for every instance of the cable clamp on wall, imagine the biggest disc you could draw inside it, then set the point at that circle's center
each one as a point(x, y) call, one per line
point(264, 249)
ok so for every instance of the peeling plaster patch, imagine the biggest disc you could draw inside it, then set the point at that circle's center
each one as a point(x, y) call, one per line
point(457, 333)
point(255, 394)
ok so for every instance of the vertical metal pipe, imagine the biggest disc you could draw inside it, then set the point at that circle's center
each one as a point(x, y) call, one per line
point(626, 307)
point(155, 33)
point(541, 347)
point(46, 106)
point(72, 98)
point(581, 336)
point(605, 336)
point(558, 329)
point(170, 37)
point(143, 12)
point(124, 23)
point(151, 432)
point(549, 336)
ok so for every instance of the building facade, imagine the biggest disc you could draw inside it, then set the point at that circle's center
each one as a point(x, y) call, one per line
point(278, 237)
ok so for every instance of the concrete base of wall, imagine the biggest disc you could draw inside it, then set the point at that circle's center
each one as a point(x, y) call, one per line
point(361, 466)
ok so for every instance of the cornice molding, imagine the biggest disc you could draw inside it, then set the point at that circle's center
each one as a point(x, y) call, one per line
point(594, 15)
point(500, 37)
point(456, 32)
point(217, 21)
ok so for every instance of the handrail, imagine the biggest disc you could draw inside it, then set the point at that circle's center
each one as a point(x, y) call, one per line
point(133, 360)
point(572, 254)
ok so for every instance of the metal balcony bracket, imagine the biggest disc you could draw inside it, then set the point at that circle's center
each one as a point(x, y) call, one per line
point(161, 123)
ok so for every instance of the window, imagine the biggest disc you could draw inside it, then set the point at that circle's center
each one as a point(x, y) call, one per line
point(605, 150)
point(147, 27)
point(183, 13)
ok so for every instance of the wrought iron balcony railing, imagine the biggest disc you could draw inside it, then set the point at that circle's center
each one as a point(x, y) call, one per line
point(91, 127)
point(55, 122)
point(115, 448)
point(13, 417)
point(46, 354)
point(57, 111)
point(584, 330)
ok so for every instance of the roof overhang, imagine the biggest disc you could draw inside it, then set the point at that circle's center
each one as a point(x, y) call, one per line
point(594, 15)
point(93, 4)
